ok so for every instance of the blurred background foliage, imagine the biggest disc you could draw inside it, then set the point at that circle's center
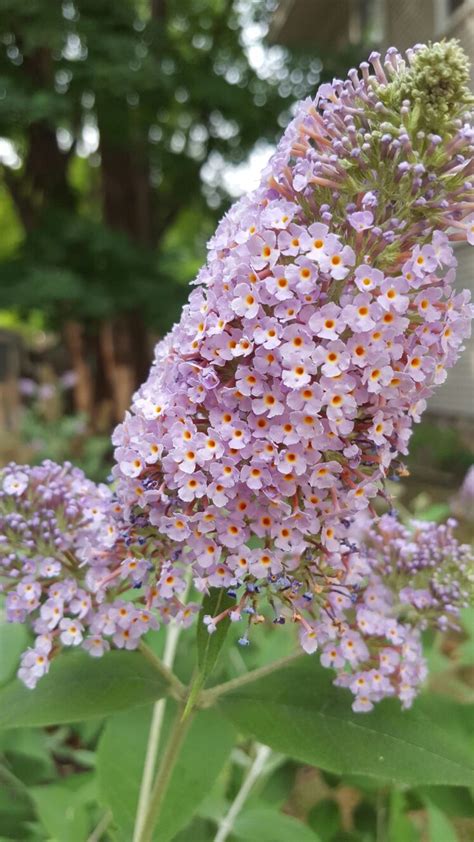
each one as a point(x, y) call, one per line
point(117, 121)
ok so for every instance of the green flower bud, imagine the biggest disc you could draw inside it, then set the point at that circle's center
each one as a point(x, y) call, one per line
point(436, 82)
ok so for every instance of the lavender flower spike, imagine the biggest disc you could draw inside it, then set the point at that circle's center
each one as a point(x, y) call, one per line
point(323, 320)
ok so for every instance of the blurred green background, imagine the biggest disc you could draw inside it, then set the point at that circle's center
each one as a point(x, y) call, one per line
point(126, 129)
point(122, 128)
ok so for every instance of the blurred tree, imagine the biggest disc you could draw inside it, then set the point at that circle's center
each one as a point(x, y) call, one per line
point(111, 110)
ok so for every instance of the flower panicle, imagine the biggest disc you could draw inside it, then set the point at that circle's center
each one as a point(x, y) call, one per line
point(323, 320)
point(69, 561)
point(78, 575)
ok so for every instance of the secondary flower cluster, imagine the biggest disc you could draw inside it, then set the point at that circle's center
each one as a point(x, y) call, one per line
point(321, 323)
point(364, 609)
point(68, 562)
point(79, 575)
point(417, 578)
point(439, 571)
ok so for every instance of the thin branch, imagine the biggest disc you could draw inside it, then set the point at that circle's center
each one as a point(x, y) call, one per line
point(227, 823)
point(177, 689)
point(172, 637)
point(102, 826)
point(165, 771)
point(209, 697)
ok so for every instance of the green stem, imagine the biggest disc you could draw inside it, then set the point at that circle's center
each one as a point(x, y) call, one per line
point(173, 632)
point(257, 768)
point(98, 832)
point(177, 689)
point(208, 697)
point(165, 771)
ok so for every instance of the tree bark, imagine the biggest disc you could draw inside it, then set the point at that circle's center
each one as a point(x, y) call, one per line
point(43, 180)
point(127, 207)
point(73, 334)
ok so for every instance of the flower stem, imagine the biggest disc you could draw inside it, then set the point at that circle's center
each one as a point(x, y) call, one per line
point(172, 637)
point(209, 697)
point(165, 771)
point(98, 832)
point(227, 823)
point(177, 689)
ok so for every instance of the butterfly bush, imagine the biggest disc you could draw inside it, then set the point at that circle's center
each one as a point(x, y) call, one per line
point(416, 577)
point(66, 558)
point(82, 576)
point(279, 404)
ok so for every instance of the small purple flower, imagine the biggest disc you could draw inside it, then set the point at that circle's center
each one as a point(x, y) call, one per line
point(361, 220)
point(15, 483)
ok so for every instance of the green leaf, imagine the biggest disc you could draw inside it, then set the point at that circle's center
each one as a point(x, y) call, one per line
point(80, 687)
point(209, 645)
point(437, 512)
point(298, 711)
point(440, 828)
point(267, 825)
point(120, 758)
point(205, 750)
point(61, 813)
point(199, 830)
point(451, 800)
point(325, 818)
point(400, 828)
point(280, 780)
point(15, 803)
point(13, 640)
point(120, 765)
point(29, 754)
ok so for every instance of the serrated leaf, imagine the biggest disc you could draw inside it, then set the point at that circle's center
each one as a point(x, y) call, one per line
point(80, 687)
point(298, 711)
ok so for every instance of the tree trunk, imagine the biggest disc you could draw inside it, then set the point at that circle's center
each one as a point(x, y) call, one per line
point(73, 334)
point(127, 207)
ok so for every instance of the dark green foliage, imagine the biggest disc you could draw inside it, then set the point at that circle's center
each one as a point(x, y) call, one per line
point(169, 87)
point(439, 446)
point(79, 687)
point(299, 712)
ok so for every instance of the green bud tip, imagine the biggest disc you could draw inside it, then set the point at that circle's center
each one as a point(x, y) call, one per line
point(436, 80)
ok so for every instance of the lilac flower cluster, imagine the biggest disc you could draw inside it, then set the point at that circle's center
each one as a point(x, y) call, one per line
point(321, 323)
point(79, 575)
point(417, 578)
point(364, 609)
point(439, 570)
point(68, 561)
